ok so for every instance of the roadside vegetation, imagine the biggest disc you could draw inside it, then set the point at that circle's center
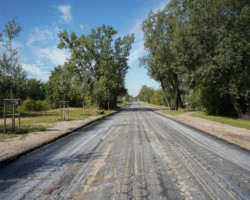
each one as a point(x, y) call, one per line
point(198, 51)
point(33, 121)
point(164, 109)
point(225, 120)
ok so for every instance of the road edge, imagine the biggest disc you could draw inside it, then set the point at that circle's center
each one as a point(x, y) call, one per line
point(196, 129)
point(43, 144)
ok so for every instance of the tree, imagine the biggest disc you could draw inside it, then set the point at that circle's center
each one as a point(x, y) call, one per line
point(12, 76)
point(100, 62)
point(35, 89)
point(146, 93)
point(202, 47)
point(59, 85)
point(160, 62)
point(157, 98)
point(222, 31)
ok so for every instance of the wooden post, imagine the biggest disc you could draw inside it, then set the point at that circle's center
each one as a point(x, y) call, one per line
point(60, 112)
point(12, 103)
point(19, 119)
point(68, 109)
point(4, 118)
point(13, 119)
point(83, 108)
point(64, 110)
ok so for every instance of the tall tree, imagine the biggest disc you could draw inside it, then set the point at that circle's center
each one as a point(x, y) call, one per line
point(222, 30)
point(99, 61)
point(160, 62)
point(59, 85)
point(202, 47)
point(12, 75)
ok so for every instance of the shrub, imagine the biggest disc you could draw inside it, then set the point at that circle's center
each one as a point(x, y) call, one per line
point(31, 105)
point(157, 98)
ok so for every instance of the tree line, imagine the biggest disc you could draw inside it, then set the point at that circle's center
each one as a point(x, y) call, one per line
point(150, 95)
point(199, 53)
point(95, 71)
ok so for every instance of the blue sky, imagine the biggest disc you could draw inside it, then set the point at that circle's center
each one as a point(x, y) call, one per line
point(41, 20)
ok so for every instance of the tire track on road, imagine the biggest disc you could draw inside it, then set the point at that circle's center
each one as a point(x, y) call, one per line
point(97, 165)
point(161, 136)
point(168, 186)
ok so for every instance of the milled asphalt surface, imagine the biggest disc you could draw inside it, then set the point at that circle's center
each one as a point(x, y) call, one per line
point(134, 154)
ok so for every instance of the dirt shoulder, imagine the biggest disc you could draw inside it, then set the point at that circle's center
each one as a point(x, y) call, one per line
point(19, 146)
point(235, 135)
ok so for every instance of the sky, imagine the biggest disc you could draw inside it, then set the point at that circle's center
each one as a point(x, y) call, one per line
point(42, 20)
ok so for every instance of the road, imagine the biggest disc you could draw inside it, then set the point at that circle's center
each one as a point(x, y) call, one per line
point(134, 154)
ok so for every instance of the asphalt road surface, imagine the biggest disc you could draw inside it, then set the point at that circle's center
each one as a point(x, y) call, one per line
point(134, 154)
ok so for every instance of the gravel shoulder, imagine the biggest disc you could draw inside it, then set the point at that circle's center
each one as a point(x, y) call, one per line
point(18, 146)
point(235, 135)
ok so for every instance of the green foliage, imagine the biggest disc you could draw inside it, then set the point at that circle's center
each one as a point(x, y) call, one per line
point(35, 89)
point(99, 63)
point(201, 46)
point(161, 62)
point(194, 100)
point(13, 79)
point(146, 93)
point(12, 76)
point(31, 105)
point(157, 98)
point(225, 120)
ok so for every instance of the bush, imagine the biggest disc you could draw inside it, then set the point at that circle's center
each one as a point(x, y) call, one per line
point(31, 105)
point(157, 98)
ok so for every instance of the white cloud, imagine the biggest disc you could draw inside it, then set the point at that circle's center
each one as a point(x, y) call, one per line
point(43, 34)
point(137, 30)
point(65, 11)
point(52, 55)
point(137, 52)
point(81, 27)
point(44, 54)
point(138, 46)
point(33, 69)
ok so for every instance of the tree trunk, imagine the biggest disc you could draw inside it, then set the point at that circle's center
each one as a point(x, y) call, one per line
point(176, 95)
point(235, 103)
point(176, 92)
point(180, 100)
point(247, 114)
point(237, 107)
point(165, 94)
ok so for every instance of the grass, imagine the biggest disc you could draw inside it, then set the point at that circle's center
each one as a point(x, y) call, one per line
point(173, 112)
point(165, 109)
point(40, 121)
point(225, 120)
point(4, 138)
point(149, 104)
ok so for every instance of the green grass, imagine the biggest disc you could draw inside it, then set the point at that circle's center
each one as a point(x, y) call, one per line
point(4, 138)
point(225, 120)
point(165, 109)
point(173, 112)
point(157, 106)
